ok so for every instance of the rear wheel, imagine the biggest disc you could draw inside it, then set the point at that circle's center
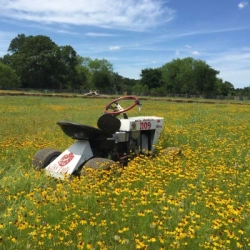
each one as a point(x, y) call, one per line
point(44, 157)
point(99, 163)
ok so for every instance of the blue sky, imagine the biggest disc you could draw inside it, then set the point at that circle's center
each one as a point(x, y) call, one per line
point(138, 34)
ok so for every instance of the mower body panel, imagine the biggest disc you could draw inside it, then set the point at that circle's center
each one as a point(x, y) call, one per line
point(70, 160)
point(141, 123)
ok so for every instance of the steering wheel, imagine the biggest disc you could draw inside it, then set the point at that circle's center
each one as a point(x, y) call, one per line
point(118, 108)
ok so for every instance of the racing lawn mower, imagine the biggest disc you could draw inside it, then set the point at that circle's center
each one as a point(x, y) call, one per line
point(115, 140)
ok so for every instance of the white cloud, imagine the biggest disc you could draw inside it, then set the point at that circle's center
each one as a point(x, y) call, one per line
point(127, 15)
point(242, 5)
point(196, 53)
point(232, 60)
point(188, 46)
point(67, 32)
point(114, 47)
point(99, 34)
point(177, 52)
point(205, 31)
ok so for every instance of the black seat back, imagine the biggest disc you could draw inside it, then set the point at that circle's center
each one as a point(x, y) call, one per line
point(108, 123)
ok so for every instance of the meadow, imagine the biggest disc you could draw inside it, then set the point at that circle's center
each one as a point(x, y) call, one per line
point(196, 200)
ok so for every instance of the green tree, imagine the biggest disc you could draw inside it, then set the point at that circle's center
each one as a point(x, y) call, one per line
point(100, 65)
point(129, 84)
point(117, 82)
point(123, 84)
point(244, 92)
point(205, 78)
point(16, 43)
point(152, 78)
point(84, 73)
point(102, 71)
point(81, 77)
point(160, 91)
point(8, 77)
point(140, 89)
point(171, 76)
point(224, 88)
point(35, 62)
point(189, 76)
point(40, 63)
point(99, 73)
point(66, 61)
point(102, 80)
point(6, 59)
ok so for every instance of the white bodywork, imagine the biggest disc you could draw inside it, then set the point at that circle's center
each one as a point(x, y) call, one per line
point(66, 163)
point(140, 123)
point(80, 152)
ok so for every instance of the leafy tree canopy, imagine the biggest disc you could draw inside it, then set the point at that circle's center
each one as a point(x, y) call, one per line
point(97, 73)
point(189, 76)
point(8, 77)
point(16, 43)
point(40, 63)
point(151, 78)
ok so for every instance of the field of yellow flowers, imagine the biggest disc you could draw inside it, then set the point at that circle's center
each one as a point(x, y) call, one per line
point(197, 200)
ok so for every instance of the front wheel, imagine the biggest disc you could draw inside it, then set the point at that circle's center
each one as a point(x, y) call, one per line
point(44, 157)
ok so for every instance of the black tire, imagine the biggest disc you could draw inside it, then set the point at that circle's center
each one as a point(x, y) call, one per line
point(99, 163)
point(44, 157)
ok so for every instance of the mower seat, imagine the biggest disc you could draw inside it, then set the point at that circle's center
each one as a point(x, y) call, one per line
point(82, 132)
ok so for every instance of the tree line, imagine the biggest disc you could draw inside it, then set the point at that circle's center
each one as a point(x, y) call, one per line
point(37, 62)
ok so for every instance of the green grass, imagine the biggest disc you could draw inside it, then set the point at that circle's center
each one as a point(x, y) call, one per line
point(199, 200)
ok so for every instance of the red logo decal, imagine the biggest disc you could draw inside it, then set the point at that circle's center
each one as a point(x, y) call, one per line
point(65, 159)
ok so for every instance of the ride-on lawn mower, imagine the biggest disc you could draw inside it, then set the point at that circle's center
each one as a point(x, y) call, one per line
point(115, 140)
